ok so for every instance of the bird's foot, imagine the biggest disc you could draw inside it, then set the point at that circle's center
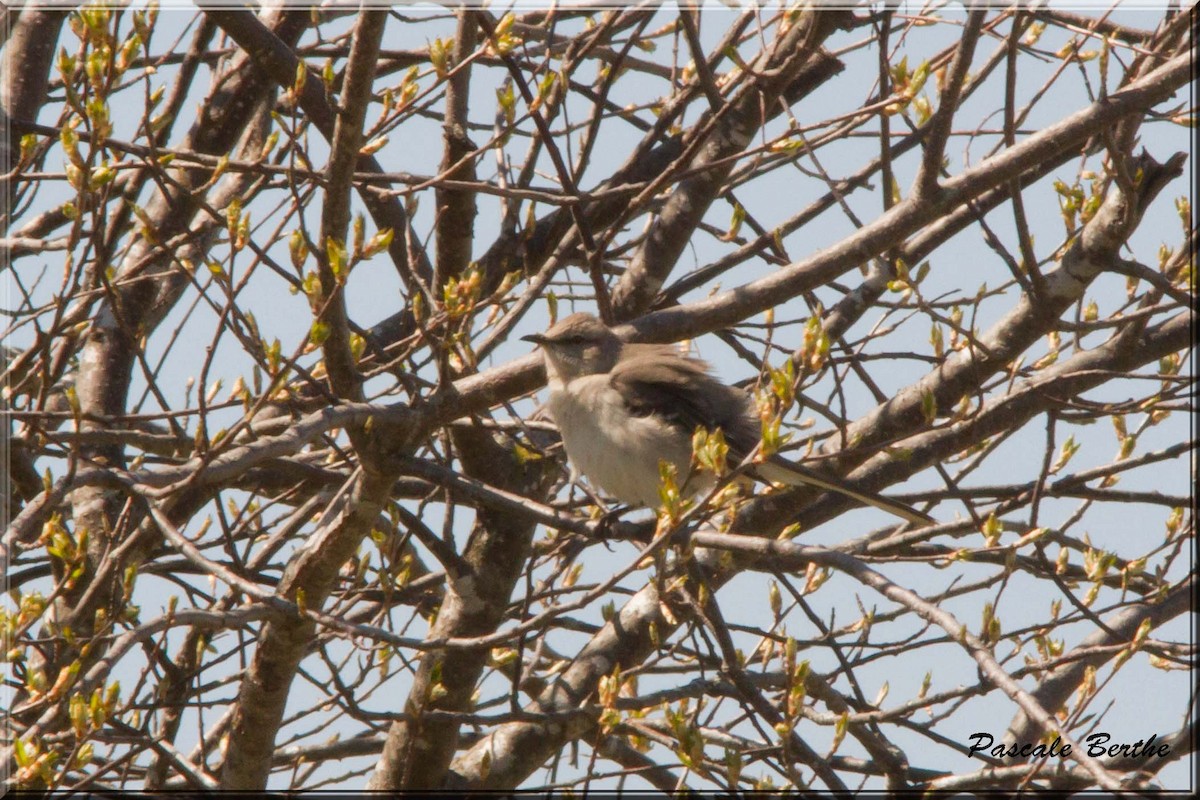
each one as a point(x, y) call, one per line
point(604, 530)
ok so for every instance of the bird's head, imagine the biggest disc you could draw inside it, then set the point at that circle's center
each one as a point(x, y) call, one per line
point(578, 345)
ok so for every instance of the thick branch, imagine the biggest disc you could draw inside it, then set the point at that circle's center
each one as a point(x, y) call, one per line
point(335, 211)
point(276, 58)
point(723, 133)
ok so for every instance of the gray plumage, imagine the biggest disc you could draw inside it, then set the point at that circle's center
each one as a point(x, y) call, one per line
point(621, 408)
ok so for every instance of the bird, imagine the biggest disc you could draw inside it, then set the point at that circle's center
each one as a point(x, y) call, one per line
point(622, 408)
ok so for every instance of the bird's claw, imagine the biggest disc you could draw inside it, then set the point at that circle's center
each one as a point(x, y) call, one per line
point(604, 525)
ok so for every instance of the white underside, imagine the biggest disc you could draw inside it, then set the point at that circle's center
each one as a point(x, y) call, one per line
point(619, 453)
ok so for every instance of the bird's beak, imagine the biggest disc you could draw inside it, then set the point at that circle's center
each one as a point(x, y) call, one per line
point(536, 338)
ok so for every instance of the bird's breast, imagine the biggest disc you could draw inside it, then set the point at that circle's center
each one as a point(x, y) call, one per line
point(617, 451)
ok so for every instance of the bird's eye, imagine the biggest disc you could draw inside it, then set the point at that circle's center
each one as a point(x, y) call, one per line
point(572, 340)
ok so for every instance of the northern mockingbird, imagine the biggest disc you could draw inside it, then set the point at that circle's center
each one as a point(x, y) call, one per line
point(622, 408)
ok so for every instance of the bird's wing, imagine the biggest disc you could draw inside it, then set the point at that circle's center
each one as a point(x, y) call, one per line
point(680, 391)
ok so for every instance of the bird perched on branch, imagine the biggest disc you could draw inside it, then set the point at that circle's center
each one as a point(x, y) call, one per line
point(622, 408)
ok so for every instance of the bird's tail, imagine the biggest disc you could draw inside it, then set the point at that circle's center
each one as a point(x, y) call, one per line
point(780, 470)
